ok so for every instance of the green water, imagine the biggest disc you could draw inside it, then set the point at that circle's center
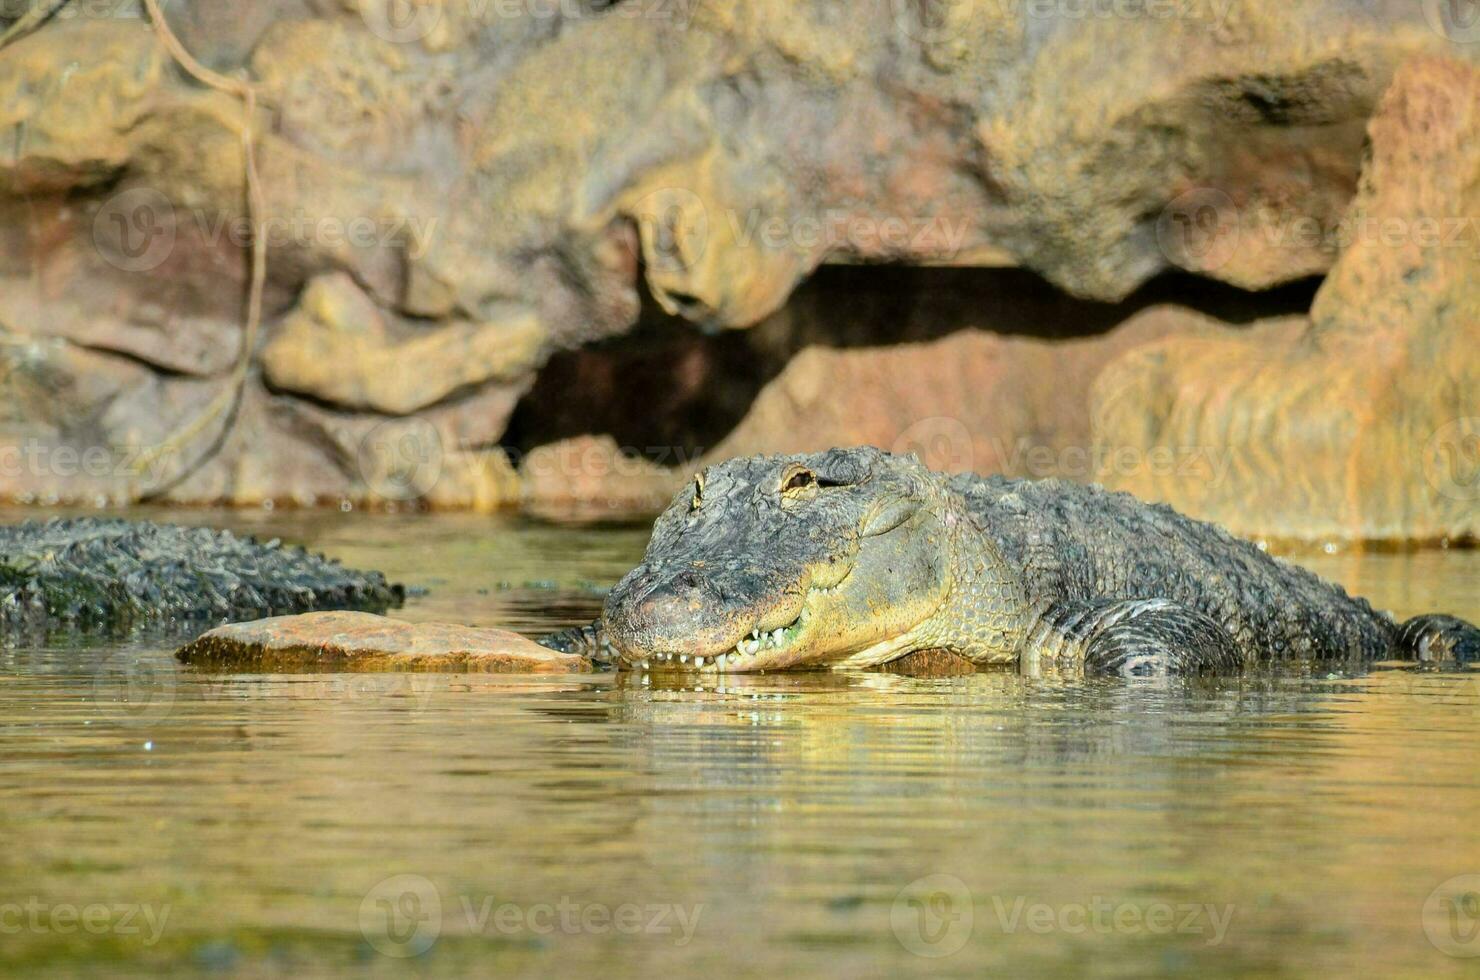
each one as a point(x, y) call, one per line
point(855, 825)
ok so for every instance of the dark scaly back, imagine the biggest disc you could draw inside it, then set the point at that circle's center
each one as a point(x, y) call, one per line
point(87, 573)
point(1079, 543)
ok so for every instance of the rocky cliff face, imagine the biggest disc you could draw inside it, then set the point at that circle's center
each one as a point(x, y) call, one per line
point(1362, 420)
point(456, 193)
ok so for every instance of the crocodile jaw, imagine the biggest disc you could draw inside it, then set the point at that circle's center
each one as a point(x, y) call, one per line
point(784, 647)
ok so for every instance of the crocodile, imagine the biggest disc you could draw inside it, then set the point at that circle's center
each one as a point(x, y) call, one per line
point(112, 575)
point(858, 557)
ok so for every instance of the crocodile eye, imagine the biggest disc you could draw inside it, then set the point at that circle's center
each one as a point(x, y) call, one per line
point(698, 499)
point(799, 480)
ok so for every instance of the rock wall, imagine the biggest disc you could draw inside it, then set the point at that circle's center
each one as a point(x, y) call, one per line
point(457, 193)
point(1362, 420)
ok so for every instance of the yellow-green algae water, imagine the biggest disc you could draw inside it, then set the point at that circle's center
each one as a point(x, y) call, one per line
point(854, 825)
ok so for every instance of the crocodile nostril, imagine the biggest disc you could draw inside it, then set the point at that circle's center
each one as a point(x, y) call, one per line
point(687, 579)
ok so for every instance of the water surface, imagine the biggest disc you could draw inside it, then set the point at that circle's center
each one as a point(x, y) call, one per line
point(849, 824)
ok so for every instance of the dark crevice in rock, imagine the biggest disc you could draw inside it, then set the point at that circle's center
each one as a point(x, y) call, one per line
point(665, 389)
point(164, 371)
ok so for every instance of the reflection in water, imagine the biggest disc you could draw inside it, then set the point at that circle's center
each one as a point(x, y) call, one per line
point(852, 824)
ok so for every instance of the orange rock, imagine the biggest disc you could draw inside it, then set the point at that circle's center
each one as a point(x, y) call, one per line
point(974, 401)
point(1363, 421)
point(591, 476)
point(359, 641)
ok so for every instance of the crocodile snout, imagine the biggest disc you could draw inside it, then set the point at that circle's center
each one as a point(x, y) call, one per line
point(668, 612)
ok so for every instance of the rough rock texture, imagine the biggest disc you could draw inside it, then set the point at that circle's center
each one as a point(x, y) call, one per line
point(454, 196)
point(1363, 420)
point(971, 402)
point(591, 476)
point(972, 367)
point(364, 642)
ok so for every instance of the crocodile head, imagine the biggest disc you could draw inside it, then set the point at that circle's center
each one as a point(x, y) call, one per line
point(784, 561)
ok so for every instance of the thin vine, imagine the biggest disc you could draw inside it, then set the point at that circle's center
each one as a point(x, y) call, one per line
point(229, 398)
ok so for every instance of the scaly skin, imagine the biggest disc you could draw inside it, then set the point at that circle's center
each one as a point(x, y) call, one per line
point(113, 575)
point(855, 557)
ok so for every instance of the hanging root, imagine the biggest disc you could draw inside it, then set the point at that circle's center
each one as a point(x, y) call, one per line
point(30, 21)
point(228, 400)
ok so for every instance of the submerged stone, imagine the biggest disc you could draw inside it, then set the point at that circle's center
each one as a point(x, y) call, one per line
point(365, 642)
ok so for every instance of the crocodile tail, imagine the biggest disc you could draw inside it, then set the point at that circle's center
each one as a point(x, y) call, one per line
point(1435, 637)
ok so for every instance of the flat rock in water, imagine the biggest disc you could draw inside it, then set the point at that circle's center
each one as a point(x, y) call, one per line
point(366, 642)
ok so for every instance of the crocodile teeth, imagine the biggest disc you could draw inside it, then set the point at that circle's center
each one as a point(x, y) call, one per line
point(698, 661)
point(734, 658)
point(779, 637)
point(683, 658)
